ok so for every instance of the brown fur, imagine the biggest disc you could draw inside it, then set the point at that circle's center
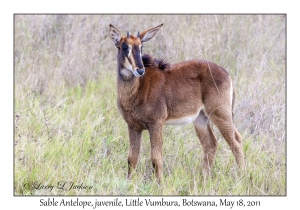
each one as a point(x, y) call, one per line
point(168, 93)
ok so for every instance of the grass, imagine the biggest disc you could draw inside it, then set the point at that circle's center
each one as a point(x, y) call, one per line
point(68, 127)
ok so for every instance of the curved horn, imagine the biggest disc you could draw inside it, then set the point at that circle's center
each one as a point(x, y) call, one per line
point(138, 35)
point(128, 35)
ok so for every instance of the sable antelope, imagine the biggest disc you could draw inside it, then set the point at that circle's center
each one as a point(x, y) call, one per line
point(152, 93)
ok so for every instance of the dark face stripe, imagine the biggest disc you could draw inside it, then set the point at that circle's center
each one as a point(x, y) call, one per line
point(137, 56)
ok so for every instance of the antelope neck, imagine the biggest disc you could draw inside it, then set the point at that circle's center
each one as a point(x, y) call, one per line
point(128, 89)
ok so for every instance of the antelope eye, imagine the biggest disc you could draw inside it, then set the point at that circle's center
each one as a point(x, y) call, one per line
point(124, 46)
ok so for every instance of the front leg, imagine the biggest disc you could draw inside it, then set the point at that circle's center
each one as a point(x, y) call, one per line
point(155, 131)
point(135, 137)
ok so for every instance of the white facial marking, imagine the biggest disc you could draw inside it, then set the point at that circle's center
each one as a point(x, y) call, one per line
point(140, 46)
point(127, 65)
point(130, 49)
point(136, 74)
point(125, 72)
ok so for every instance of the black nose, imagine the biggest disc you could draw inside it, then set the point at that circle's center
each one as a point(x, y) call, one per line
point(140, 71)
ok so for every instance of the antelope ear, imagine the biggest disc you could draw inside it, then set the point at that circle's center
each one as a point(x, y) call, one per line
point(149, 34)
point(115, 35)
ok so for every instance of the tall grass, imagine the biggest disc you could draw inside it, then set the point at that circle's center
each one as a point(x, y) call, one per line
point(68, 128)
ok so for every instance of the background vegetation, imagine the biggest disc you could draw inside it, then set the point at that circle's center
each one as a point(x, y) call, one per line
point(68, 128)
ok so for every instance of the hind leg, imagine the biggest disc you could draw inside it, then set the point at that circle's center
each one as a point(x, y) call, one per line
point(207, 140)
point(222, 118)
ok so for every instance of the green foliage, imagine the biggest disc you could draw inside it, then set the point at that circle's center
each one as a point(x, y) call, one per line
point(68, 128)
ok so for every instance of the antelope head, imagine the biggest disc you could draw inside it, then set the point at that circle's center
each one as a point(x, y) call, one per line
point(130, 50)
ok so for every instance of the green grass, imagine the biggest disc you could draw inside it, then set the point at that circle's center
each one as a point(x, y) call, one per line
point(83, 139)
point(68, 127)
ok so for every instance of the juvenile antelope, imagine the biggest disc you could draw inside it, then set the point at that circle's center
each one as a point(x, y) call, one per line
point(152, 93)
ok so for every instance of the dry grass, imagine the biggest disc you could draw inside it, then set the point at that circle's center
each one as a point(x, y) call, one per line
point(67, 126)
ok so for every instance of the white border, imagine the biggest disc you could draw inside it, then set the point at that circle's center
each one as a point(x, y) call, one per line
point(8, 201)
